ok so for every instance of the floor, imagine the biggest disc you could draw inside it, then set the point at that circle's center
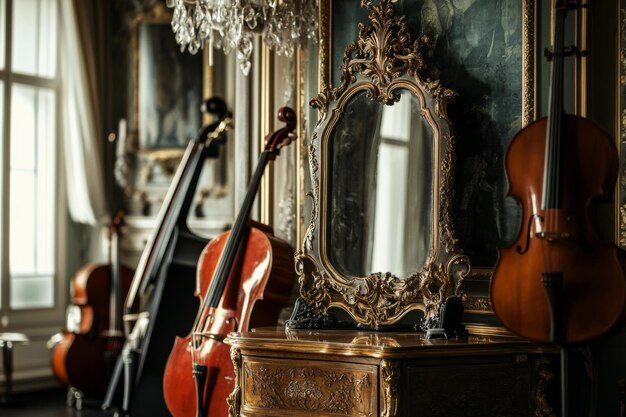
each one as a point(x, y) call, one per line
point(48, 403)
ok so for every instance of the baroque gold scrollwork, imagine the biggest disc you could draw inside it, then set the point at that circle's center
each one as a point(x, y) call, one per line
point(286, 386)
point(234, 399)
point(621, 128)
point(384, 60)
point(384, 51)
point(390, 378)
point(543, 378)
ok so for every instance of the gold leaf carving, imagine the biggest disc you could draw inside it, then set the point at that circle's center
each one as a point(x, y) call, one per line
point(308, 388)
point(234, 399)
point(543, 377)
point(482, 304)
point(390, 378)
point(384, 51)
point(622, 225)
point(621, 126)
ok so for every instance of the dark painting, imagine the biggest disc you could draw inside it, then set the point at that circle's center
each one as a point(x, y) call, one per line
point(170, 89)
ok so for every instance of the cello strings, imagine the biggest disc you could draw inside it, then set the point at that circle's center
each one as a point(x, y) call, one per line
point(553, 192)
point(222, 272)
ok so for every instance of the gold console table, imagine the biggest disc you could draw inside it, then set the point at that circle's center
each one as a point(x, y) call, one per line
point(365, 374)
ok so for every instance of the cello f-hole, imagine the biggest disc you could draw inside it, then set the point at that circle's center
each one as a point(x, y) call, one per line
point(518, 248)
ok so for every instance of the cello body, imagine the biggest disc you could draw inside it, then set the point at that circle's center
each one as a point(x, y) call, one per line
point(249, 289)
point(79, 358)
point(564, 239)
point(242, 271)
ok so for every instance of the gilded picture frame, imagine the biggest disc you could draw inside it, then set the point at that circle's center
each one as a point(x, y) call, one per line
point(620, 129)
point(168, 87)
point(471, 148)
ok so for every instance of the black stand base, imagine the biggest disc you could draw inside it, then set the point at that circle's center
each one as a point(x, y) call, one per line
point(10, 402)
point(304, 317)
point(449, 324)
point(449, 321)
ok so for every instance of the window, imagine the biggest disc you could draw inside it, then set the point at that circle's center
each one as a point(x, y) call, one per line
point(29, 100)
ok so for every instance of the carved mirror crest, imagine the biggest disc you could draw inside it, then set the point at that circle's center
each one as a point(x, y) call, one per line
point(380, 242)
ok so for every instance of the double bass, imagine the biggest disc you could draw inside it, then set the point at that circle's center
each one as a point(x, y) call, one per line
point(559, 282)
point(82, 358)
point(164, 281)
point(244, 280)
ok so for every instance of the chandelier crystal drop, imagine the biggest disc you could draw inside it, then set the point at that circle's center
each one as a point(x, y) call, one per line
point(229, 25)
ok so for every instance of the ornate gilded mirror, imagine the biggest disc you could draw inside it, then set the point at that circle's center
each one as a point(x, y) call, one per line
point(380, 242)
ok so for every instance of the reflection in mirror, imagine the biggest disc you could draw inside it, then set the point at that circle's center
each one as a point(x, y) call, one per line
point(381, 188)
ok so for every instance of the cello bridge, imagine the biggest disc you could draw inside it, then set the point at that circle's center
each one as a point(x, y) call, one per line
point(213, 336)
point(553, 236)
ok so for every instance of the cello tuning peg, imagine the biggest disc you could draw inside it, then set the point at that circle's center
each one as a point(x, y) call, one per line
point(290, 138)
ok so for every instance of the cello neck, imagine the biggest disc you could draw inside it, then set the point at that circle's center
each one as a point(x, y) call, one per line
point(553, 169)
point(236, 235)
point(274, 142)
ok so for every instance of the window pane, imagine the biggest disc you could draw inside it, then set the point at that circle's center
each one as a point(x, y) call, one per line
point(32, 196)
point(32, 292)
point(23, 108)
point(47, 38)
point(3, 25)
point(22, 227)
point(46, 180)
point(34, 37)
point(1, 172)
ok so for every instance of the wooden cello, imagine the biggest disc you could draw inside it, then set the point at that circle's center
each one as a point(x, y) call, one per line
point(94, 333)
point(559, 168)
point(244, 279)
point(559, 282)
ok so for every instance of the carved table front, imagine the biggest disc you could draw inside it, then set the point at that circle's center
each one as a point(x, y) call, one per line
point(365, 374)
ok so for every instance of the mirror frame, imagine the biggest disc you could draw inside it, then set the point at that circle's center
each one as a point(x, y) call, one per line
point(385, 58)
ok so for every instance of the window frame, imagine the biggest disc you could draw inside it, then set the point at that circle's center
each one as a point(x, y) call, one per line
point(31, 318)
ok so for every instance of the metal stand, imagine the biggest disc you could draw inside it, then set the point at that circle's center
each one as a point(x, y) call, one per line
point(7, 340)
point(553, 285)
point(449, 320)
point(74, 398)
point(304, 317)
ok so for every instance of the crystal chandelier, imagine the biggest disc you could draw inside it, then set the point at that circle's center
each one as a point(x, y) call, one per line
point(230, 25)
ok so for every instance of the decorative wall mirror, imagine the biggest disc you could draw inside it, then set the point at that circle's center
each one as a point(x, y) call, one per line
point(380, 242)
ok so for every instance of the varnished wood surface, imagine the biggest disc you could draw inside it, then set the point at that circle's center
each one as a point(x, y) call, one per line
point(392, 345)
point(262, 282)
point(594, 289)
point(313, 373)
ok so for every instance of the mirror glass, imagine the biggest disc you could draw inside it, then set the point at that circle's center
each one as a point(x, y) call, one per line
point(380, 173)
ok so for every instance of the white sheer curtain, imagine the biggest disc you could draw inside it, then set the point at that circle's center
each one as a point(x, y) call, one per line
point(81, 118)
